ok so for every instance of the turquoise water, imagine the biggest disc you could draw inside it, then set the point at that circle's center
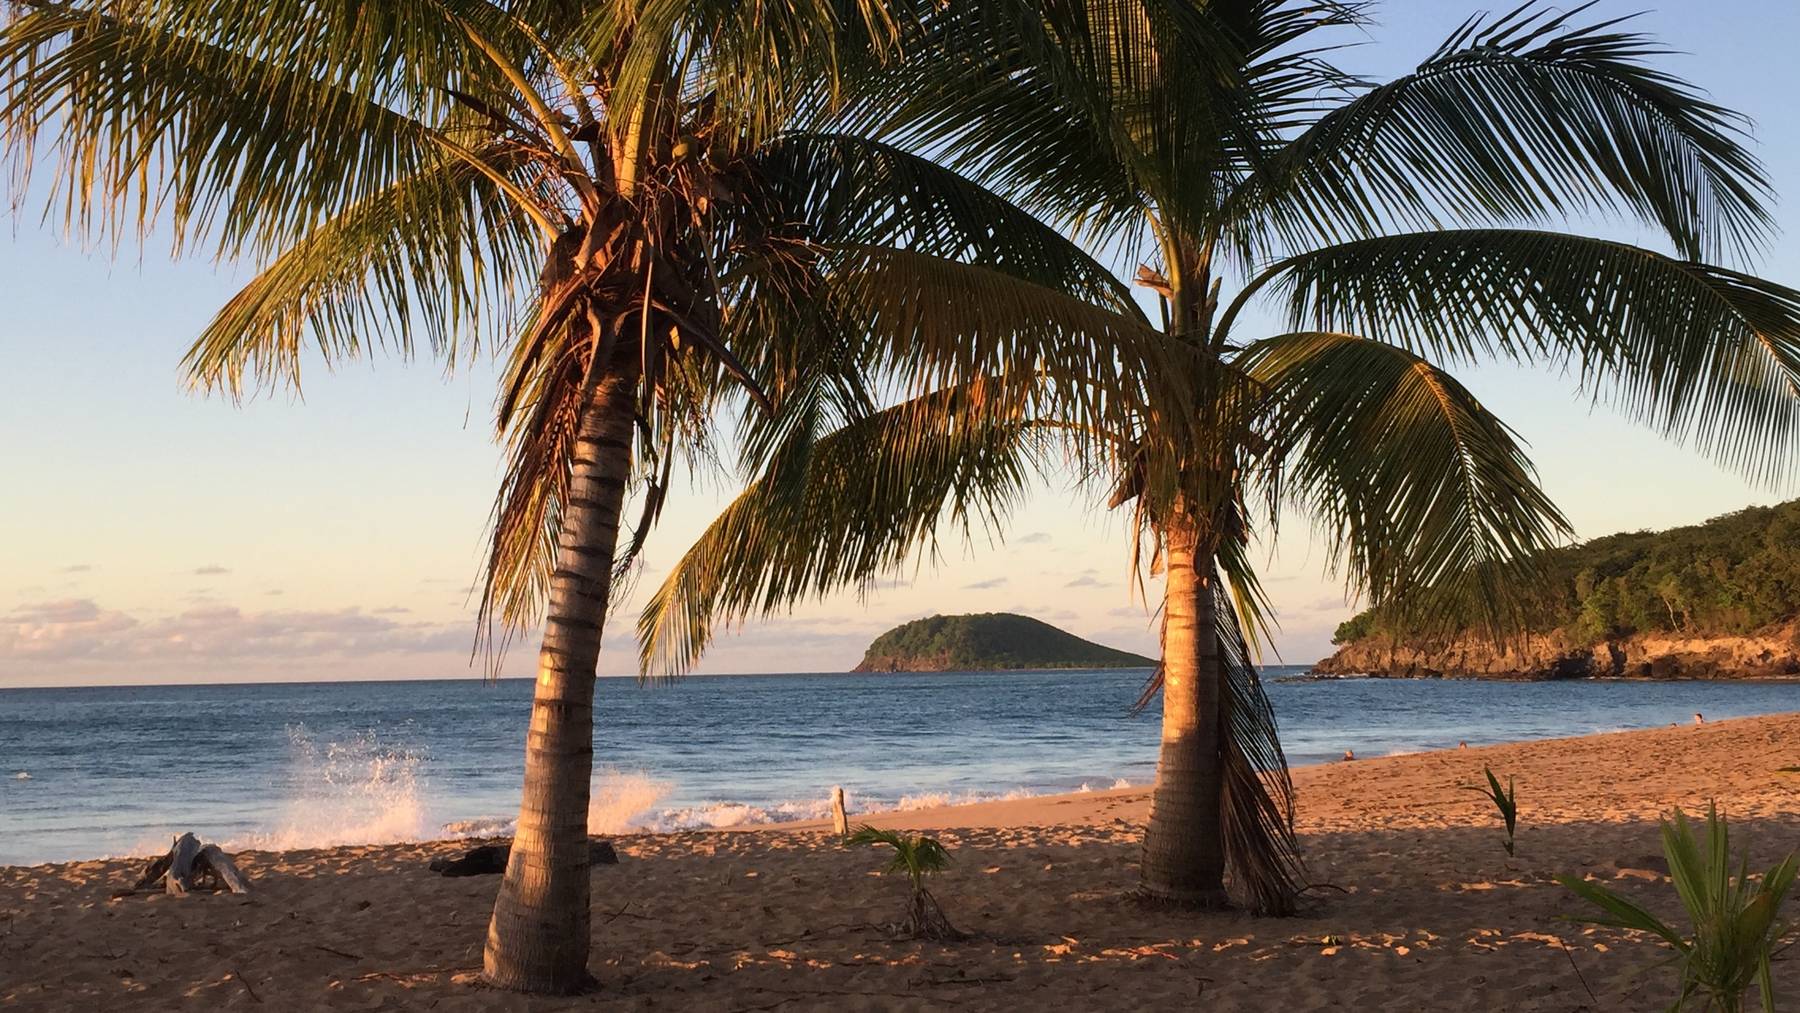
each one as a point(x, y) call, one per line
point(110, 770)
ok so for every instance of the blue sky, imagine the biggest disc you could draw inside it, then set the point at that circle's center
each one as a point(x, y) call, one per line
point(153, 534)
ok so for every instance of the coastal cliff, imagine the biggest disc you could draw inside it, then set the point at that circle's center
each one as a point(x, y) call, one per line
point(1772, 654)
point(990, 641)
point(1718, 600)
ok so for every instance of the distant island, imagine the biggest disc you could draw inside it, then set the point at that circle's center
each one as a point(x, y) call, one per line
point(1719, 600)
point(987, 642)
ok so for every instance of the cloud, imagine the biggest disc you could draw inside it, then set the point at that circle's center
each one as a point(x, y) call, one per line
point(1084, 581)
point(81, 629)
point(78, 568)
point(391, 610)
point(1035, 538)
point(67, 610)
point(210, 570)
point(984, 585)
point(274, 592)
point(1128, 612)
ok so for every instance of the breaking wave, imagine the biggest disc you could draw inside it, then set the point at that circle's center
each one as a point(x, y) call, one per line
point(354, 791)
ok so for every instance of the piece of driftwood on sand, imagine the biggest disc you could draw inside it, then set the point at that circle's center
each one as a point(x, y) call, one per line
point(840, 816)
point(490, 859)
point(190, 866)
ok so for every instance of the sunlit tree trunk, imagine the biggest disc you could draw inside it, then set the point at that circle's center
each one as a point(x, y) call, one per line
point(1184, 845)
point(538, 938)
point(1184, 853)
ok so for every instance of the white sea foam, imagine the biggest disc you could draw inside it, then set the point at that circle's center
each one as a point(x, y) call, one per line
point(357, 791)
point(23, 775)
point(938, 800)
point(619, 802)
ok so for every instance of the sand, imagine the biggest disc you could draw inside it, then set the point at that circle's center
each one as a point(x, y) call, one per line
point(1420, 907)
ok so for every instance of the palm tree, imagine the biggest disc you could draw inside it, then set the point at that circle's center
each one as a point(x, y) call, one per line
point(917, 856)
point(1404, 227)
point(614, 196)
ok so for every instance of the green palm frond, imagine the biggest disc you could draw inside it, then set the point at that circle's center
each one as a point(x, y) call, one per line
point(1081, 112)
point(204, 116)
point(439, 251)
point(1701, 353)
point(851, 190)
point(1414, 484)
point(916, 855)
point(1529, 117)
point(843, 511)
point(938, 321)
point(972, 86)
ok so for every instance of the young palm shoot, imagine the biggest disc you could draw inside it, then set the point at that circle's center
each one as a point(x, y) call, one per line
point(918, 856)
point(1504, 799)
point(1737, 927)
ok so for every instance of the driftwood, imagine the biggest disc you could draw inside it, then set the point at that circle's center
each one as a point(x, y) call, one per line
point(190, 866)
point(490, 859)
point(840, 818)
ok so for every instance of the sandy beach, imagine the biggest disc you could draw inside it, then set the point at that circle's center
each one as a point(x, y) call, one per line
point(1418, 906)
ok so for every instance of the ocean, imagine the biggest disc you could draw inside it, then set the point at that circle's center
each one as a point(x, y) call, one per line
point(90, 772)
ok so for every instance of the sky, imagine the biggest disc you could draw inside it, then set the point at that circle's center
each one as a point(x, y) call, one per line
point(150, 534)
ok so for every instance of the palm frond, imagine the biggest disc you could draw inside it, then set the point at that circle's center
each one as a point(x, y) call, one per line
point(1089, 113)
point(204, 116)
point(844, 189)
point(1700, 353)
point(842, 511)
point(1257, 801)
point(440, 251)
point(937, 322)
point(1527, 118)
point(1413, 483)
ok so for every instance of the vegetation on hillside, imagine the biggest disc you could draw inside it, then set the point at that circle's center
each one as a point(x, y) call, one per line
point(988, 641)
point(1731, 575)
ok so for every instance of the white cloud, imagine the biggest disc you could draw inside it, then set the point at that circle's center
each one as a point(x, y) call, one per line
point(80, 628)
point(211, 570)
point(985, 585)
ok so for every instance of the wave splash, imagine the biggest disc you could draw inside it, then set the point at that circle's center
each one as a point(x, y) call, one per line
point(362, 790)
point(355, 791)
point(619, 802)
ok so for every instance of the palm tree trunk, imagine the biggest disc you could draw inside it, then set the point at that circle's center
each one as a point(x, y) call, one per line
point(538, 938)
point(1184, 847)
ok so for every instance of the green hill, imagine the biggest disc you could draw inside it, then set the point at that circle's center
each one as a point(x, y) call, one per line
point(1713, 600)
point(1734, 574)
point(990, 641)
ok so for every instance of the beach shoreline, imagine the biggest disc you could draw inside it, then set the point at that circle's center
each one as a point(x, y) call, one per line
point(1422, 907)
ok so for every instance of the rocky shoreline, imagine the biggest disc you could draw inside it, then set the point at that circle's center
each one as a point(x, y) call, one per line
point(1770, 654)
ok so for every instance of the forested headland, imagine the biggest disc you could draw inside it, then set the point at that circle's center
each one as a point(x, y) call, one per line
point(1708, 600)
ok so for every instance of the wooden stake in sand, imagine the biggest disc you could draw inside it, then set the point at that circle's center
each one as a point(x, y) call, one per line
point(190, 865)
point(840, 818)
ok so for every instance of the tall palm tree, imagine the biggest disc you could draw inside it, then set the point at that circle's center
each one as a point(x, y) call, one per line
point(1405, 227)
point(615, 197)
